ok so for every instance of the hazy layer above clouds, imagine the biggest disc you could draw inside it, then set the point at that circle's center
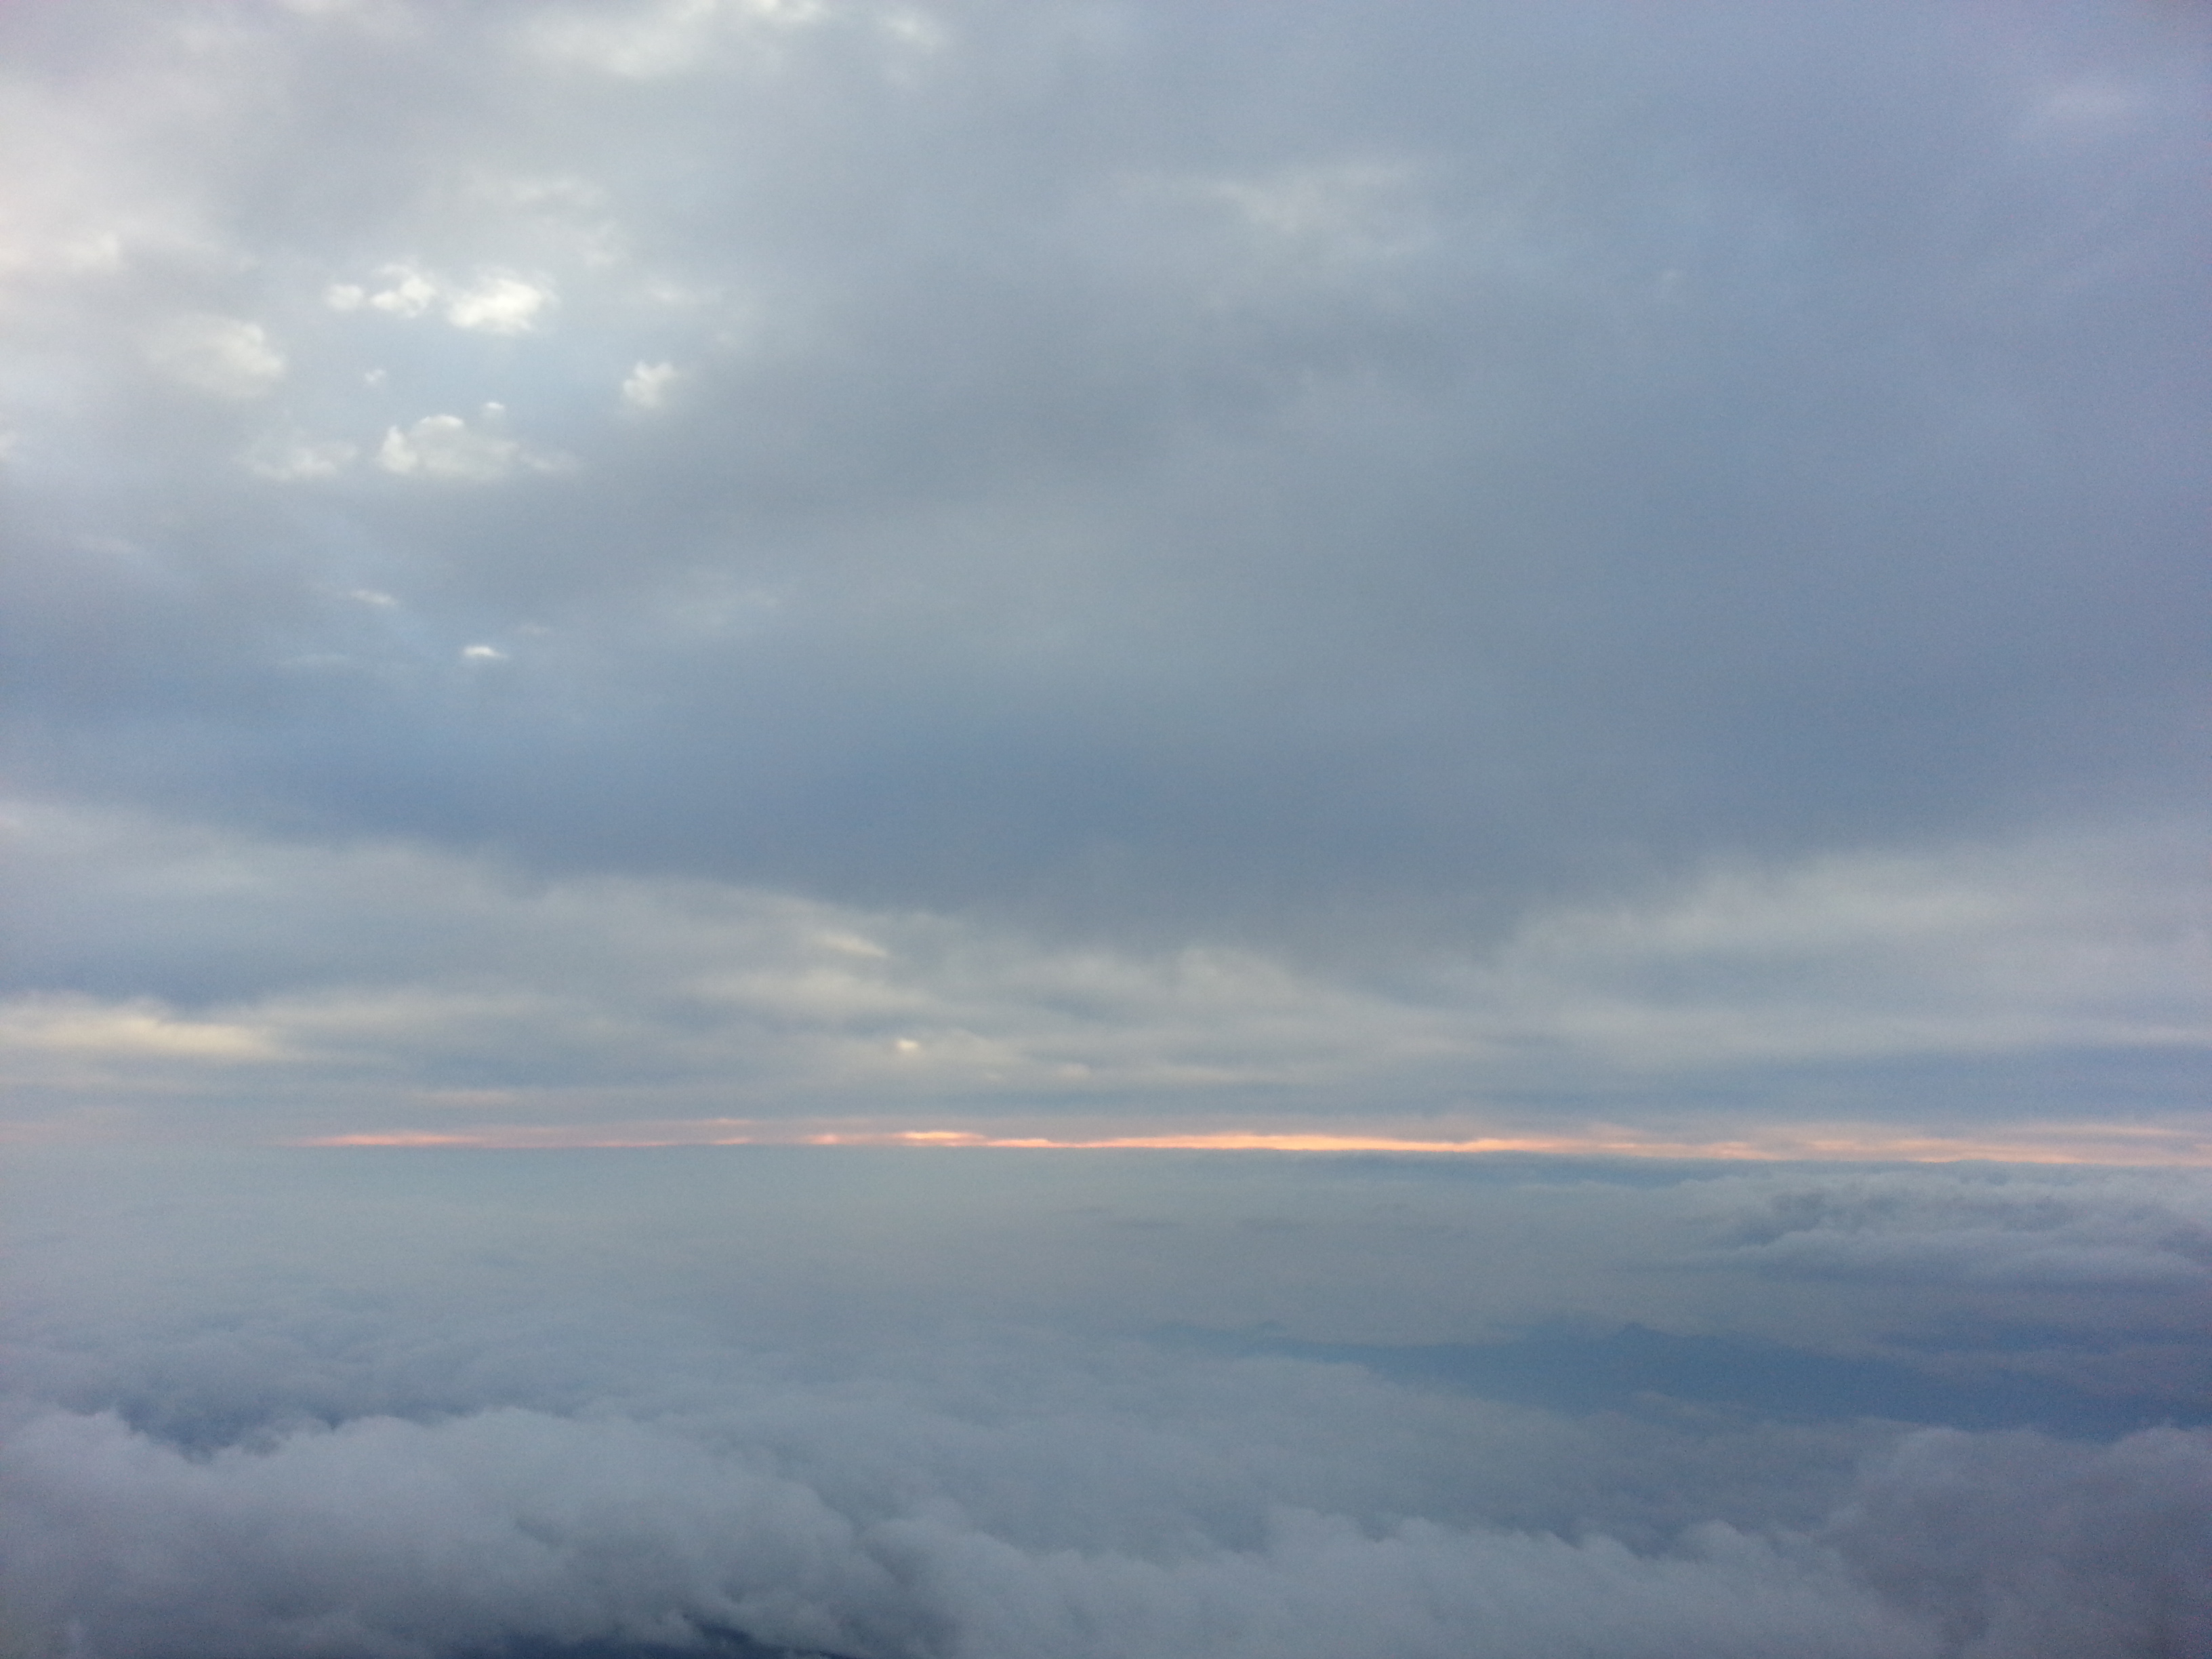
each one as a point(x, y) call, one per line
point(1398, 507)
point(985, 1404)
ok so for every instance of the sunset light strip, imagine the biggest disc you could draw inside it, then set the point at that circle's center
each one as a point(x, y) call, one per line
point(2082, 1143)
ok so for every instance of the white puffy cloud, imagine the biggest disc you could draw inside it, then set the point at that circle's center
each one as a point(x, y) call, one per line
point(448, 447)
point(499, 305)
point(495, 302)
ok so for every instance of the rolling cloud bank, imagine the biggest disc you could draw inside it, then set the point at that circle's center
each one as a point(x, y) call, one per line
point(1024, 1404)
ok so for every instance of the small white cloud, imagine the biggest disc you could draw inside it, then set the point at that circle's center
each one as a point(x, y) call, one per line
point(221, 357)
point(483, 654)
point(370, 596)
point(442, 446)
point(297, 458)
point(500, 304)
point(647, 385)
point(497, 302)
point(446, 446)
point(409, 293)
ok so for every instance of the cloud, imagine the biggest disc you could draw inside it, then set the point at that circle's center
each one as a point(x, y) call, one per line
point(2027, 1548)
point(1963, 1229)
point(561, 1562)
point(726, 1007)
point(1489, 579)
point(497, 302)
point(221, 357)
point(2000, 928)
point(1345, 213)
point(140, 1029)
point(955, 577)
point(646, 386)
point(370, 1403)
point(300, 458)
point(384, 1535)
point(670, 37)
point(445, 446)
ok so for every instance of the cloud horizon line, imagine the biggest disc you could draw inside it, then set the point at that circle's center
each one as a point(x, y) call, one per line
point(2107, 1146)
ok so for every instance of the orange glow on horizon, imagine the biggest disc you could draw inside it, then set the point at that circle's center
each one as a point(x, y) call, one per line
point(2071, 1144)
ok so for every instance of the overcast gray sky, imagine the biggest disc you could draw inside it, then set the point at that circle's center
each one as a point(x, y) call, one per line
point(708, 568)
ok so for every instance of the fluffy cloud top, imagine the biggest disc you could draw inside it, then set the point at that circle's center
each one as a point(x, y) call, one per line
point(386, 1536)
point(370, 1406)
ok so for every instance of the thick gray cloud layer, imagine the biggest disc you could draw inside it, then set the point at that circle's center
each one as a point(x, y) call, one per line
point(310, 990)
point(1340, 485)
point(348, 1404)
point(392, 1538)
point(910, 454)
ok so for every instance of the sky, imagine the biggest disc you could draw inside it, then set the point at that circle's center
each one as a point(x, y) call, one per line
point(1105, 829)
point(1600, 574)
